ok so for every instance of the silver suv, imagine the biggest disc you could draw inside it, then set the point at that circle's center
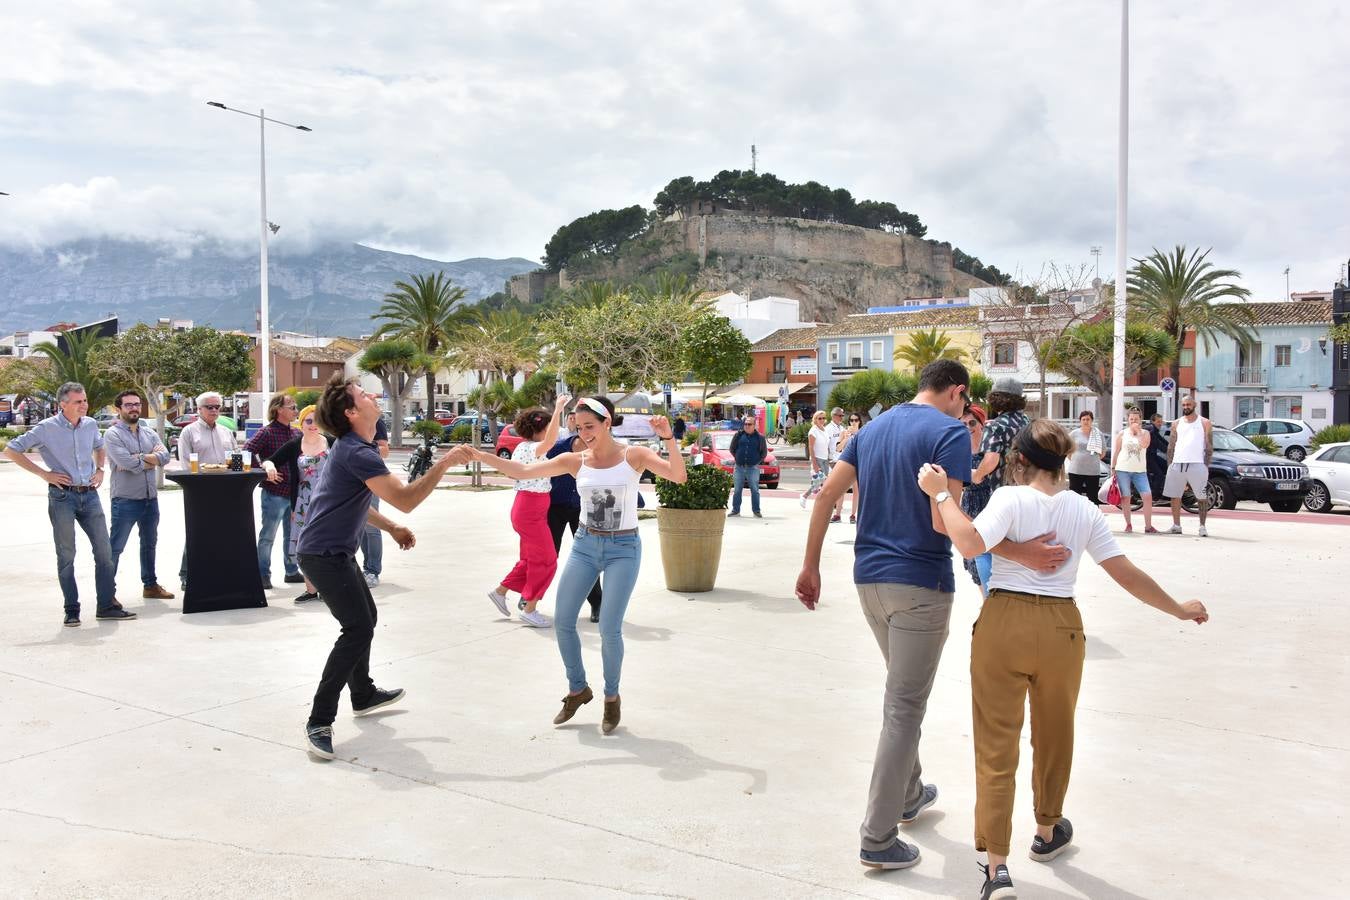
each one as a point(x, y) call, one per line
point(1292, 436)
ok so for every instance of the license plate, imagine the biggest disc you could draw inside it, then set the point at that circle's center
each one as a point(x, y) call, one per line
point(1287, 486)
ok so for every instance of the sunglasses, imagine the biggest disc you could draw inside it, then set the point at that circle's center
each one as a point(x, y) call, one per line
point(855, 419)
point(212, 406)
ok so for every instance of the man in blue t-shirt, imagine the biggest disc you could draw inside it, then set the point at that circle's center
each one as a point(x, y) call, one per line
point(338, 512)
point(903, 572)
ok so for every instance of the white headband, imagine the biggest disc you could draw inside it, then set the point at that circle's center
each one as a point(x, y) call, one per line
point(595, 406)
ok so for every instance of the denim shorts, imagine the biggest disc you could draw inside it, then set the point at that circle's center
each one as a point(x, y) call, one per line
point(1138, 479)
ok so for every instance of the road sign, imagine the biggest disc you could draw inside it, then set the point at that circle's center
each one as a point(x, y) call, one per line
point(1168, 385)
point(782, 393)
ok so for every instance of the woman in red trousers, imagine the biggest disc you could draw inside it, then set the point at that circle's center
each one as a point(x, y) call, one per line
point(533, 572)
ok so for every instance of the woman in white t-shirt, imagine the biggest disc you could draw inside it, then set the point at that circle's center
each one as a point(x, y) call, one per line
point(607, 542)
point(818, 454)
point(534, 570)
point(1029, 637)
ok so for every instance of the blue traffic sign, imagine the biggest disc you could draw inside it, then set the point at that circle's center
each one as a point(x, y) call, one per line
point(1168, 385)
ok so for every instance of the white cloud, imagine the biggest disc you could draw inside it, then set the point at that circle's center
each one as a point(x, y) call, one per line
point(469, 129)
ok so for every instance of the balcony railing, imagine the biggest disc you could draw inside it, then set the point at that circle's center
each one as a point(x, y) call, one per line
point(1249, 375)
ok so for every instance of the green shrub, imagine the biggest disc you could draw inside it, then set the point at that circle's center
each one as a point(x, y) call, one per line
point(690, 435)
point(1332, 434)
point(707, 487)
point(797, 433)
point(430, 428)
point(8, 433)
point(461, 433)
point(1265, 443)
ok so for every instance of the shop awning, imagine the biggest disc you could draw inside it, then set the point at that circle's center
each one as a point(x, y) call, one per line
point(769, 391)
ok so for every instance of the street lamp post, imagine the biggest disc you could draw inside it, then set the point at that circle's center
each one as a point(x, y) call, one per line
point(1122, 170)
point(265, 352)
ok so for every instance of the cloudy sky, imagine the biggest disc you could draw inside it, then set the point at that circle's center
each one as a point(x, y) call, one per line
point(457, 129)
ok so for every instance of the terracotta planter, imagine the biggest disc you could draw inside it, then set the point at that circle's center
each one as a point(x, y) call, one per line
point(691, 547)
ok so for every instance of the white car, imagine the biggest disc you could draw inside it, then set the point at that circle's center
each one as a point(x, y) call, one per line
point(1329, 469)
point(1291, 435)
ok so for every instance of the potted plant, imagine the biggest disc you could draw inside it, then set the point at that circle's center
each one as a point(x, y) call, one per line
point(690, 520)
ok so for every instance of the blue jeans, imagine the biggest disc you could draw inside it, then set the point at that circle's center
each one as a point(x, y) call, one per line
point(618, 558)
point(372, 546)
point(740, 478)
point(984, 566)
point(275, 511)
point(127, 514)
point(65, 509)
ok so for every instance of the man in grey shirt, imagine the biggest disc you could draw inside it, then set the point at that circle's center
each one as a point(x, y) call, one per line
point(136, 452)
point(71, 446)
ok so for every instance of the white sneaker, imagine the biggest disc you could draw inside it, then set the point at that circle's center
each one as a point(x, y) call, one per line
point(499, 601)
point(1203, 532)
point(535, 619)
point(803, 501)
point(372, 580)
point(1176, 529)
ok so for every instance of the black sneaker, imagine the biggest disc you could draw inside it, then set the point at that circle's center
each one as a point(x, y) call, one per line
point(297, 578)
point(379, 700)
point(267, 584)
point(999, 886)
point(926, 799)
point(112, 612)
point(306, 597)
point(898, 855)
point(320, 741)
point(72, 620)
point(1044, 851)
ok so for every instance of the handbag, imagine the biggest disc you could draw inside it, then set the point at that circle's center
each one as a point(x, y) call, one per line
point(1113, 494)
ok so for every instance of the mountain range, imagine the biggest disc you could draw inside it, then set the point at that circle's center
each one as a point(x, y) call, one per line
point(331, 290)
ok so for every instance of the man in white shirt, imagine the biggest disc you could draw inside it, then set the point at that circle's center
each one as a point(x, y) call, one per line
point(1188, 456)
point(833, 432)
point(212, 442)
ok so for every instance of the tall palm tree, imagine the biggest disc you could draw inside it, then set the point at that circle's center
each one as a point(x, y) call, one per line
point(77, 363)
point(425, 312)
point(1176, 291)
point(928, 346)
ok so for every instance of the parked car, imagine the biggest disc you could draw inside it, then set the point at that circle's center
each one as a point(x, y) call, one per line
point(184, 420)
point(716, 449)
point(443, 416)
point(1292, 435)
point(507, 441)
point(482, 424)
point(105, 420)
point(1239, 471)
point(1329, 470)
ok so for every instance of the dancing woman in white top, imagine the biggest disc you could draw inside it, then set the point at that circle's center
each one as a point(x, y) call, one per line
point(607, 541)
point(1029, 638)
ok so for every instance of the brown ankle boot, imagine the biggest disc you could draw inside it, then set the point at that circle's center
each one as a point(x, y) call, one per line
point(572, 703)
point(611, 719)
point(155, 592)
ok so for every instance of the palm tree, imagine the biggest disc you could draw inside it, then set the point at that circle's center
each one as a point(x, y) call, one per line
point(1178, 290)
point(76, 363)
point(928, 346)
point(425, 312)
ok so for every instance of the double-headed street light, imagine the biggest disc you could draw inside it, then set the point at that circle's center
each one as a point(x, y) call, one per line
point(266, 324)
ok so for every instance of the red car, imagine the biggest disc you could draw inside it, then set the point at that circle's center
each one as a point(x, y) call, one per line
point(507, 441)
point(716, 447)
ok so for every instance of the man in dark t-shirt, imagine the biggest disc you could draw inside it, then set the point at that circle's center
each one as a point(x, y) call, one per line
point(903, 573)
point(338, 511)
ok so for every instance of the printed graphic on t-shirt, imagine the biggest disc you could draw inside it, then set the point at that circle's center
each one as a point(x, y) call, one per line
point(602, 507)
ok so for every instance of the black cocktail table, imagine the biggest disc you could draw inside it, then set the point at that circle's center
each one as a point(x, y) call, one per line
point(222, 540)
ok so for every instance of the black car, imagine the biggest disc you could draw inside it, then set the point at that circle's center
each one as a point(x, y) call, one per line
point(1240, 471)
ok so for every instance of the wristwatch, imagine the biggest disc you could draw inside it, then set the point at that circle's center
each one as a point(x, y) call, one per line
point(942, 497)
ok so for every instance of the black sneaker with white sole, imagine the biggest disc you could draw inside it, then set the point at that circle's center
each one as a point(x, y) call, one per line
point(379, 700)
point(998, 884)
point(72, 620)
point(898, 855)
point(927, 797)
point(319, 739)
point(1044, 851)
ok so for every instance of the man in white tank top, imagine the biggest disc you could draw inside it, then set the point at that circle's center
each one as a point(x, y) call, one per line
point(1188, 456)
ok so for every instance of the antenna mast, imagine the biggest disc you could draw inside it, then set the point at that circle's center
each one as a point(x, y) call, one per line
point(754, 159)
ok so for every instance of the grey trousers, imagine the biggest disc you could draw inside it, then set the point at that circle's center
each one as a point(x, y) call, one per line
point(910, 625)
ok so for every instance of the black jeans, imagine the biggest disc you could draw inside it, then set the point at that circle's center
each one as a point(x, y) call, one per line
point(1087, 485)
point(339, 581)
point(560, 518)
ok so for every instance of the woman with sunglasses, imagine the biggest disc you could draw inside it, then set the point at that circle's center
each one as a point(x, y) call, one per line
point(976, 496)
point(855, 424)
point(607, 543)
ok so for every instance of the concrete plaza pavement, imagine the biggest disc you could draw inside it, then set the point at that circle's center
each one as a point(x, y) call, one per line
point(163, 757)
